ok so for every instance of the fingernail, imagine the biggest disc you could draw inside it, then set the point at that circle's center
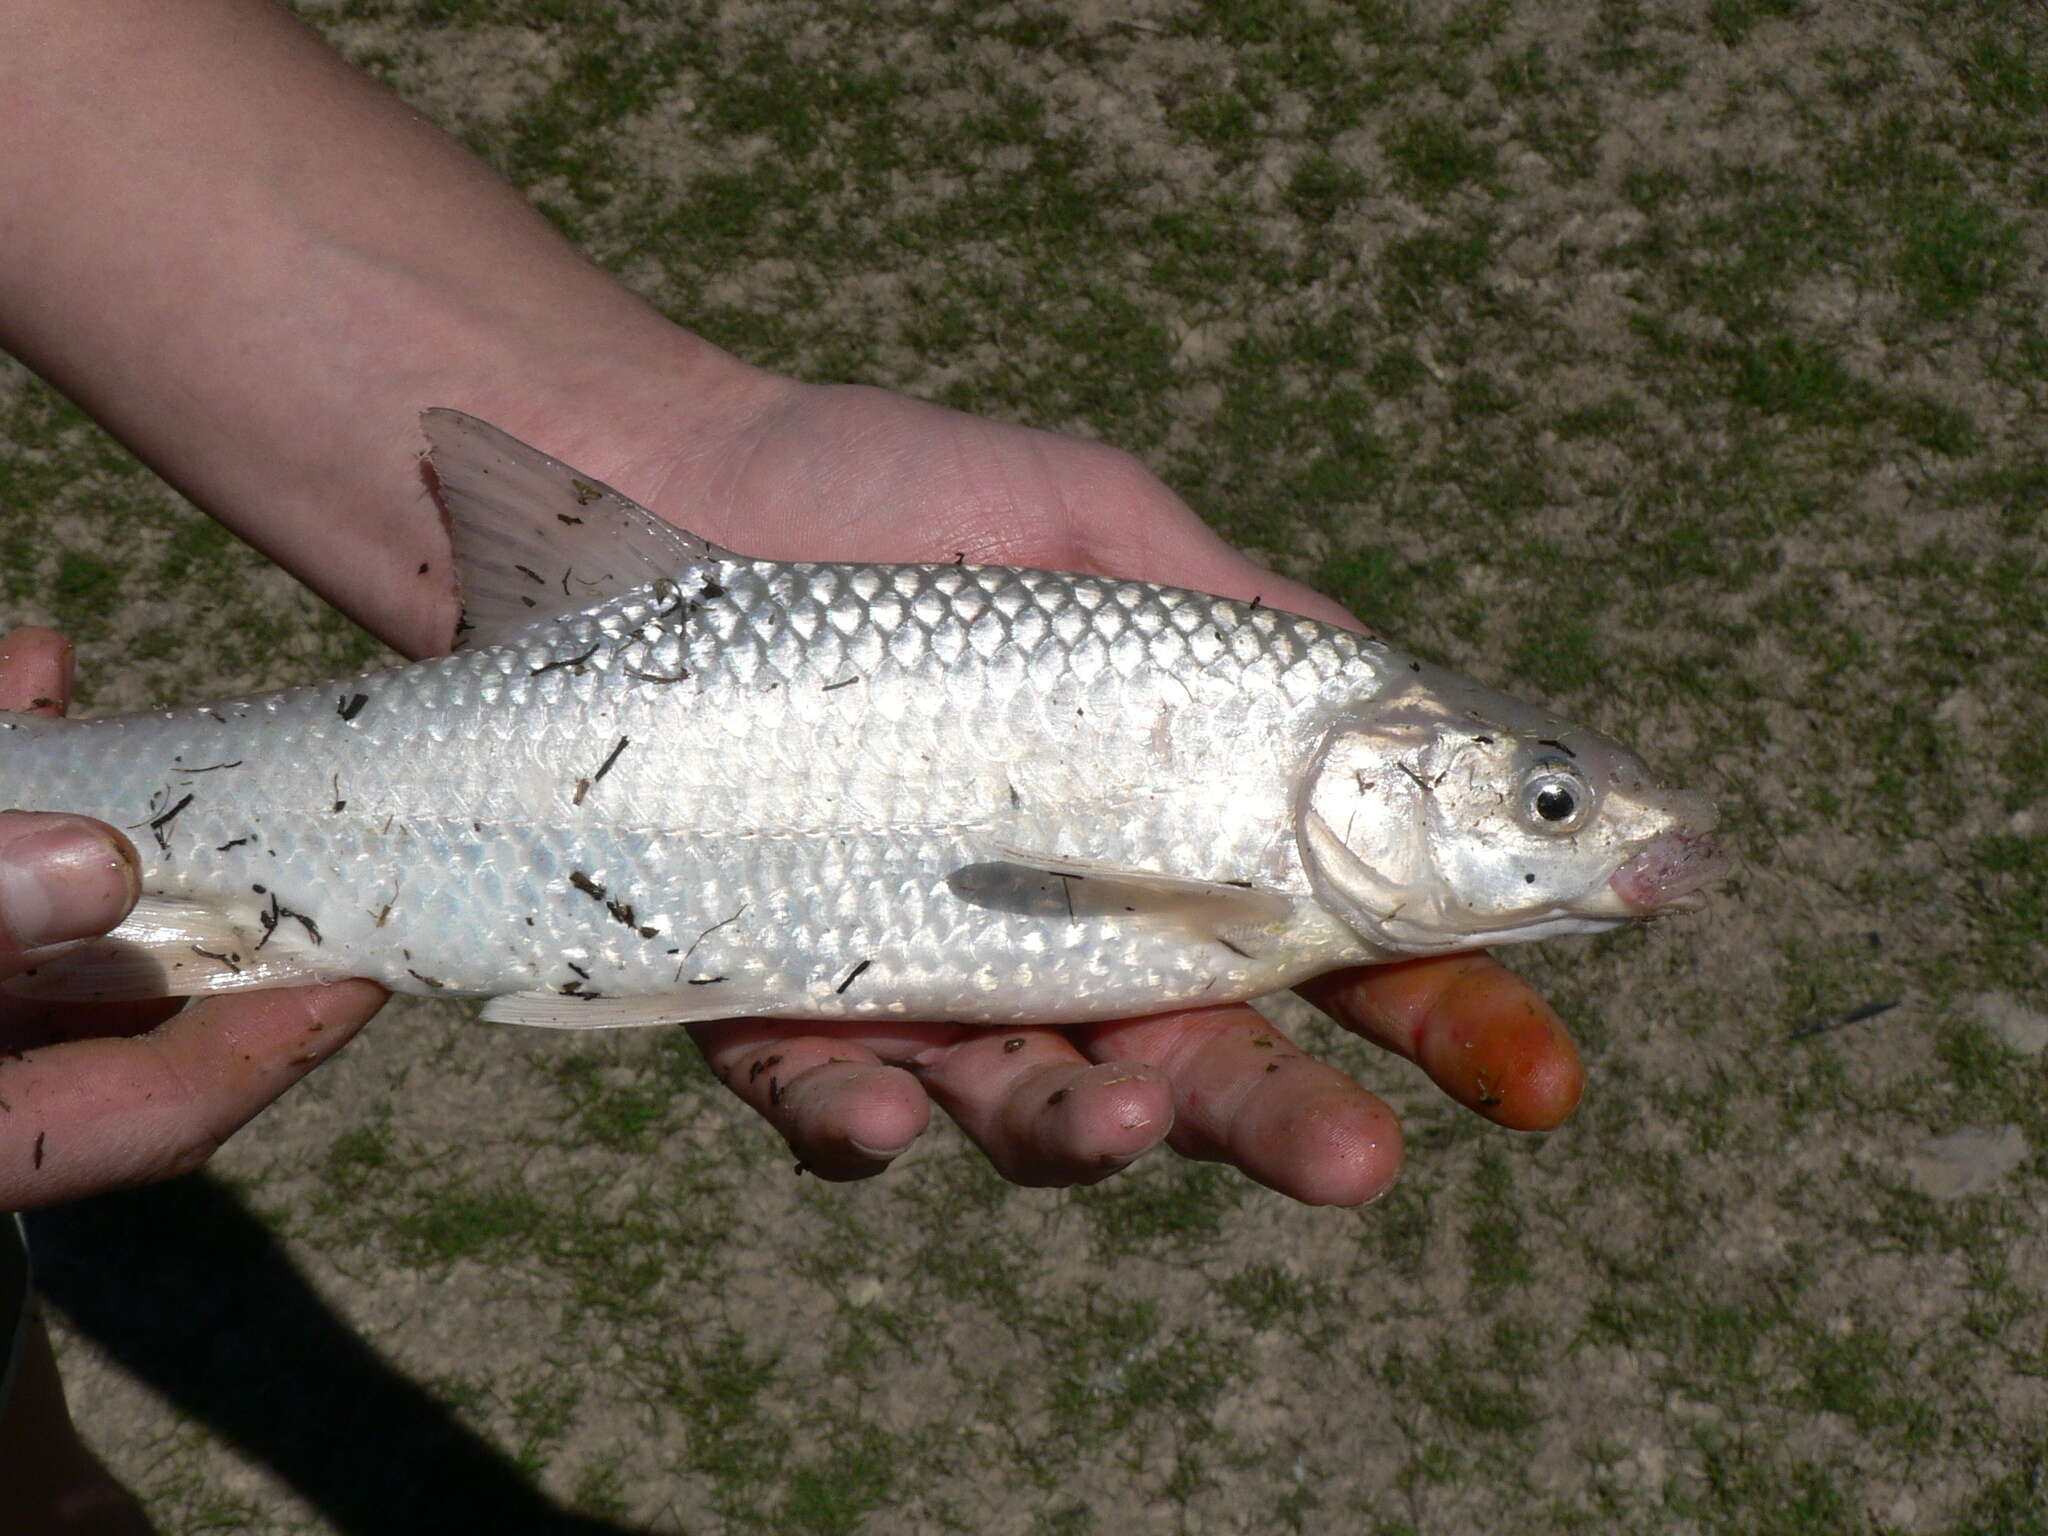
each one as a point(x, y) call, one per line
point(879, 1154)
point(62, 877)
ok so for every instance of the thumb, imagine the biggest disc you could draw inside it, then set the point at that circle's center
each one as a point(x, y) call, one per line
point(61, 877)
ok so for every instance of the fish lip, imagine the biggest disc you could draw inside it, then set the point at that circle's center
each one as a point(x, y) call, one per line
point(1669, 873)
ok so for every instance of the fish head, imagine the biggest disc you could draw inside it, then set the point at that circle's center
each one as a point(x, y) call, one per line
point(1454, 816)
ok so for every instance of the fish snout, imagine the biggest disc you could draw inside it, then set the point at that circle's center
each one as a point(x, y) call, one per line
point(1669, 873)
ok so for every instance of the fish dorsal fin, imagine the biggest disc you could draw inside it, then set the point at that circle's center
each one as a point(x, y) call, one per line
point(534, 538)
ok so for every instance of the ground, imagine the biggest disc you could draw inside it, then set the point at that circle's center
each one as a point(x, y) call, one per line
point(1681, 365)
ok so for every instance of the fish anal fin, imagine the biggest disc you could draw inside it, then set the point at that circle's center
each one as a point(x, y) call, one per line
point(166, 948)
point(569, 1010)
point(535, 539)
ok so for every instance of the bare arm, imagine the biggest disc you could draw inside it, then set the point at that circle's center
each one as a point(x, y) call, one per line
point(255, 266)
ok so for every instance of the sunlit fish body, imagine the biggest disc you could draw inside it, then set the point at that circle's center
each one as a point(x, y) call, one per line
point(661, 781)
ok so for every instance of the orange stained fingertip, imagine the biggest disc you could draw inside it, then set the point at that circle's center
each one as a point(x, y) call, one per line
point(1481, 1032)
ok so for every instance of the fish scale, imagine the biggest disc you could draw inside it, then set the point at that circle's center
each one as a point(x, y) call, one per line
point(667, 782)
point(458, 782)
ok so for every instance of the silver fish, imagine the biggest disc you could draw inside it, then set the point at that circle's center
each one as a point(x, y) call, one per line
point(660, 781)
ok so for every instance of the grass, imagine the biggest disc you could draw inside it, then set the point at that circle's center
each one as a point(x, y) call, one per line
point(1682, 367)
point(1435, 155)
point(1265, 1296)
point(1161, 1208)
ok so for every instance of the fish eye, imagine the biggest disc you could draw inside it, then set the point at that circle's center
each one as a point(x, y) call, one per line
point(1555, 798)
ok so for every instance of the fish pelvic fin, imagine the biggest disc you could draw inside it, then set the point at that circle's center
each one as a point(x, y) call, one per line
point(535, 539)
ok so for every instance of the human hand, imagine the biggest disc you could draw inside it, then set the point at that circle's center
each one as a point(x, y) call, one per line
point(788, 470)
point(102, 1096)
point(277, 379)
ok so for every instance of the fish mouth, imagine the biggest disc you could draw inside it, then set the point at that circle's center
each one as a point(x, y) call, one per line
point(1670, 873)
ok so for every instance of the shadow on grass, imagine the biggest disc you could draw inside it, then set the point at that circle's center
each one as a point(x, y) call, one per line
point(183, 1286)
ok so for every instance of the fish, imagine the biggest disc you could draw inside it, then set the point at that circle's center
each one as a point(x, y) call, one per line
point(659, 782)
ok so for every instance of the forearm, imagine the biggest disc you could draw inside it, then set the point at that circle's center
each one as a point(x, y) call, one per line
point(256, 267)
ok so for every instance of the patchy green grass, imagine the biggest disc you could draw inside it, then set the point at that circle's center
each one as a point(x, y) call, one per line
point(1682, 367)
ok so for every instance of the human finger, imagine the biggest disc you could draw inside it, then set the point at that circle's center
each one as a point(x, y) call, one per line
point(35, 678)
point(1244, 1093)
point(845, 1112)
point(35, 671)
point(61, 877)
point(1040, 1111)
point(1481, 1033)
point(92, 1115)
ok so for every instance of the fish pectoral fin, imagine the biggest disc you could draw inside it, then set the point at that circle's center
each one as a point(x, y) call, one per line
point(721, 999)
point(1049, 884)
point(167, 948)
point(535, 539)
